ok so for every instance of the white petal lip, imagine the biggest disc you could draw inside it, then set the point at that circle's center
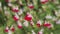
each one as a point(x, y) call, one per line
point(30, 4)
point(32, 22)
point(49, 17)
point(10, 32)
point(25, 23)
point(42, 0)
point(18, 22)
point(58, 22)
point(16, 16)
point(33, 32)
point(20, 12)
point(9, 4)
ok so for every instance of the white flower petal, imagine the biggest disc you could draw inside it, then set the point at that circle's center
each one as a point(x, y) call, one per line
point(25, 23)
point(9, 32)
point(58, 22)
point(48, 17)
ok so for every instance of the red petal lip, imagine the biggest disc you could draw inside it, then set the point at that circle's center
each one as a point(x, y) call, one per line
point(13, 29)
point(6, 30)
point(16, 19)
point(46, 25)
point(31, 7)
point(44, 2)
point(28, 18)
point(19, 26)
point(38, 25)
point(14, 10)
point(38, 33)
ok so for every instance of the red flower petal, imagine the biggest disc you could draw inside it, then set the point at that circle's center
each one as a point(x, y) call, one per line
point(13, 29)
point(15, 18)
point(19, 26)
point(45, 1)
point(46, 25)
point(31, 7)
point(28, 18)
point(38, 25)
point(6, 30)
point(15, 10)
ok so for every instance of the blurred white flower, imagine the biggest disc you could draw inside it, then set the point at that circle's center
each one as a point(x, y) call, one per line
point(51, 32)
point(10, 4)
point(20, 12)
point(6, 13)
point(57, 13)
point(33, 32)
point(26, 23)
point(16, 15)
point(41, 31)
point(58, 22)
point(48, 17)
point(39, 22)
point(9, 32)
point(5, 8)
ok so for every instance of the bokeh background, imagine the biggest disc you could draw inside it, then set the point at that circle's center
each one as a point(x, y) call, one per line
point(29, 16)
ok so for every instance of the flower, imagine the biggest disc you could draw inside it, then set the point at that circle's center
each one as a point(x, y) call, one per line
point(16, 17)
point(12, 28)
point(44, 1)
point(20, 12)
point(32, 23)
point(28, 17)
point(30, 6)
point(26, 23)
point(58, 22)
point(19, 24)
point(41, 31)
point(47, 24)
point(10, 4)
point(48, 17)
point(33, 32)
point(15, 9)
point(39, 23)
point(6, 29)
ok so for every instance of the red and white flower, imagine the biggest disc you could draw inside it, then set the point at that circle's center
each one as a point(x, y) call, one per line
point(15, 9)
point(43, 1)
point(19, 24)
point(39, 23)
point(30, 6)
point(16, 17)
point(7, 29)
point(47, 24)
point(32, 23)
point(28, 17)
point(12, 28)
point(41, 31)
